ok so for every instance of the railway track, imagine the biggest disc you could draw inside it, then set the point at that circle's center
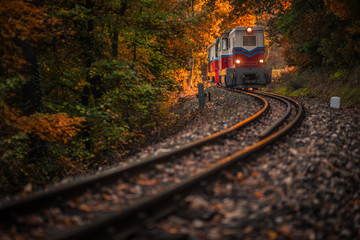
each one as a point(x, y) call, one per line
point(118, 201)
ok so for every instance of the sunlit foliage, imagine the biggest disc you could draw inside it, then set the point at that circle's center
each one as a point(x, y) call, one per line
point(24, 21)
point(83, 80)
point(50, 127)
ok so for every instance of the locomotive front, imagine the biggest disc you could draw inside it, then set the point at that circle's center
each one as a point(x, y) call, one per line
point(241, 54)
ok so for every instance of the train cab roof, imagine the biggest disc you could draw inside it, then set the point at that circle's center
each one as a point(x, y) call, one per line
point(212, 44)
point(243, 29)
point(227, 32)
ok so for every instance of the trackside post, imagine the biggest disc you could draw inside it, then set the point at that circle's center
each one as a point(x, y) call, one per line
point(201, 95)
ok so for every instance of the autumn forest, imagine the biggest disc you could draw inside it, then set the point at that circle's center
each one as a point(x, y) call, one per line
point(82, 79)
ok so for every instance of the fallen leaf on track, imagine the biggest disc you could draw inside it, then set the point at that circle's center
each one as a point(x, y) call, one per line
point(248, 229)
point(106, 196)
point(147, 182)
point(85, 208)
point(258, 194)
point(285, 229)
point(122, 187)
point(272, 234)
point(239, 178)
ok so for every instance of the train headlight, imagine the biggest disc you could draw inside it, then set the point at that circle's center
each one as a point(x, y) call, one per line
point(261, 61)
point(237, 61)
point(249, 29)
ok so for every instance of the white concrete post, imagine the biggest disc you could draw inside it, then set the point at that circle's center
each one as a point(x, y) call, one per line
point(335, 102)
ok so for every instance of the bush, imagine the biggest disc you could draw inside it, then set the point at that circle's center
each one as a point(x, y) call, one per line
point(296, 83)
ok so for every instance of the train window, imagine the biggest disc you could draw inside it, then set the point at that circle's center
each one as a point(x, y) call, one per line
point(249, 40)
point(216, 50)
point(224, 44)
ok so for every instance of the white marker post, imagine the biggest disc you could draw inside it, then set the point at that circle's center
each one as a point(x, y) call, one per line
point(335, 102)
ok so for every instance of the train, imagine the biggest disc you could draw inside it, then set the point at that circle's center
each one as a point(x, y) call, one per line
point(237, 59)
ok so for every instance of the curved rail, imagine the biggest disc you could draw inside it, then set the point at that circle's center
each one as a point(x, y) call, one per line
point(148, 207)
point(41, 199)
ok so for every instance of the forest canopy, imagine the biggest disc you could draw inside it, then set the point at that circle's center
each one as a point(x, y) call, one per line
point(80, 79)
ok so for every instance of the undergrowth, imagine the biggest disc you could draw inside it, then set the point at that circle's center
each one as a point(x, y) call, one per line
point(321, 84)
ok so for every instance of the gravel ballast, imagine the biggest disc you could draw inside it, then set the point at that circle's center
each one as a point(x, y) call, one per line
point(81, 210)
point(223, 111)
point(306, 186)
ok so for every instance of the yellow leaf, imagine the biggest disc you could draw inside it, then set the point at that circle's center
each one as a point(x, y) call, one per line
point(85, 208)
point(106, 196)
point(258, 194)
point(248, 229)
point(147, 182)
point(272, 234)
point(255, 174)
point(67, 221)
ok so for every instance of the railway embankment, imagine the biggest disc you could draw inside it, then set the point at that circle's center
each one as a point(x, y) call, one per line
point(224, 110)
point(303, 187)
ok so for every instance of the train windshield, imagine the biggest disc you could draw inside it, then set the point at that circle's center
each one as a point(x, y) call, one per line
point(249, 40)
point(224, 43)
point(216, 50)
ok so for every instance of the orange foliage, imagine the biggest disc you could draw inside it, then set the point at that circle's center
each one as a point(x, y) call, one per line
point(50, 127)
point(20, 20)
point(285, 4)
point(339, 8)
point(281, 5)
point(181, 76)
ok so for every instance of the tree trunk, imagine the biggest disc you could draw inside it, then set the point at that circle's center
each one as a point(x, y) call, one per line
point(192, 51)
point(31, 96)
point(89, 59)
point(115, 32)
point(134, 52)
point(192, 69)
point(114, 43)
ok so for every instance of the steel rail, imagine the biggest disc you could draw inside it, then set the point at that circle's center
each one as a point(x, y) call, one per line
point(42, 199)
point(280, 98)
point(270, 129)
point(121, 221)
